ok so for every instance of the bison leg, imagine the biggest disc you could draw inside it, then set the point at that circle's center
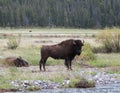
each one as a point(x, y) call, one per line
point(70, 64)
point(67, 64)
point(42, 63)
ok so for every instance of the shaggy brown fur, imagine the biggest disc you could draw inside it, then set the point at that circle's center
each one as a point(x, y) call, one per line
point(18, 62)
point(66, 50)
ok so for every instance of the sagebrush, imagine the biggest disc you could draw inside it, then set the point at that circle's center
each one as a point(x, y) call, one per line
point(13, 42)
point(110, 39)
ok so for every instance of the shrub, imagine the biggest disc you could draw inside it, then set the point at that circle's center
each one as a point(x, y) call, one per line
point(13, 42)
point(100, 49)
point(110, 38)
point(87, 53)
point(81, 83)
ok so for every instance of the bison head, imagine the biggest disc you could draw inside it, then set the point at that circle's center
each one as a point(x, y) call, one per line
point(77, 46)
point(19, 62)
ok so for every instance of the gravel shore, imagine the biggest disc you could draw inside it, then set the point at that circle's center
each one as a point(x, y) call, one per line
point(99, 76)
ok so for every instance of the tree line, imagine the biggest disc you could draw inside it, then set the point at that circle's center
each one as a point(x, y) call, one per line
point(60, 13)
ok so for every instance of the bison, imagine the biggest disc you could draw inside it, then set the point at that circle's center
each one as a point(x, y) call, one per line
point(17, 61)
point(66, 50)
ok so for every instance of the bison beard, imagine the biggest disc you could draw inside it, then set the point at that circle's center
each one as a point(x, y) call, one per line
point(66, 50)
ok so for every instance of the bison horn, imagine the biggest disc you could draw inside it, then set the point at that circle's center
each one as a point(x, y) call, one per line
point(83, 42)
point(74, 43)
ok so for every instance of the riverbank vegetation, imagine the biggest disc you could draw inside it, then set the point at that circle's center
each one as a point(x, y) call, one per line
point(29, 49)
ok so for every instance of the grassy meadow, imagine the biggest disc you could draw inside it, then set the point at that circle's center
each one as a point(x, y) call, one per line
point(29, 49)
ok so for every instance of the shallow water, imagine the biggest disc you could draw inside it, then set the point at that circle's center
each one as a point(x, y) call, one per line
point(110, 88)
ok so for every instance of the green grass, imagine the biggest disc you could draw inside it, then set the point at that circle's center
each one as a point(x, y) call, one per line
point(106, 60)
point(31, 55)
point(6, 76)
point(5, 85)
point(51, 61)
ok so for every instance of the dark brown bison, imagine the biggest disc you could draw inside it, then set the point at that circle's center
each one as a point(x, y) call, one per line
point(66, 50)
point(18, 62)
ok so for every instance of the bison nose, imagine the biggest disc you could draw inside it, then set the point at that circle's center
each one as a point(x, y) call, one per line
point(79, 52)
